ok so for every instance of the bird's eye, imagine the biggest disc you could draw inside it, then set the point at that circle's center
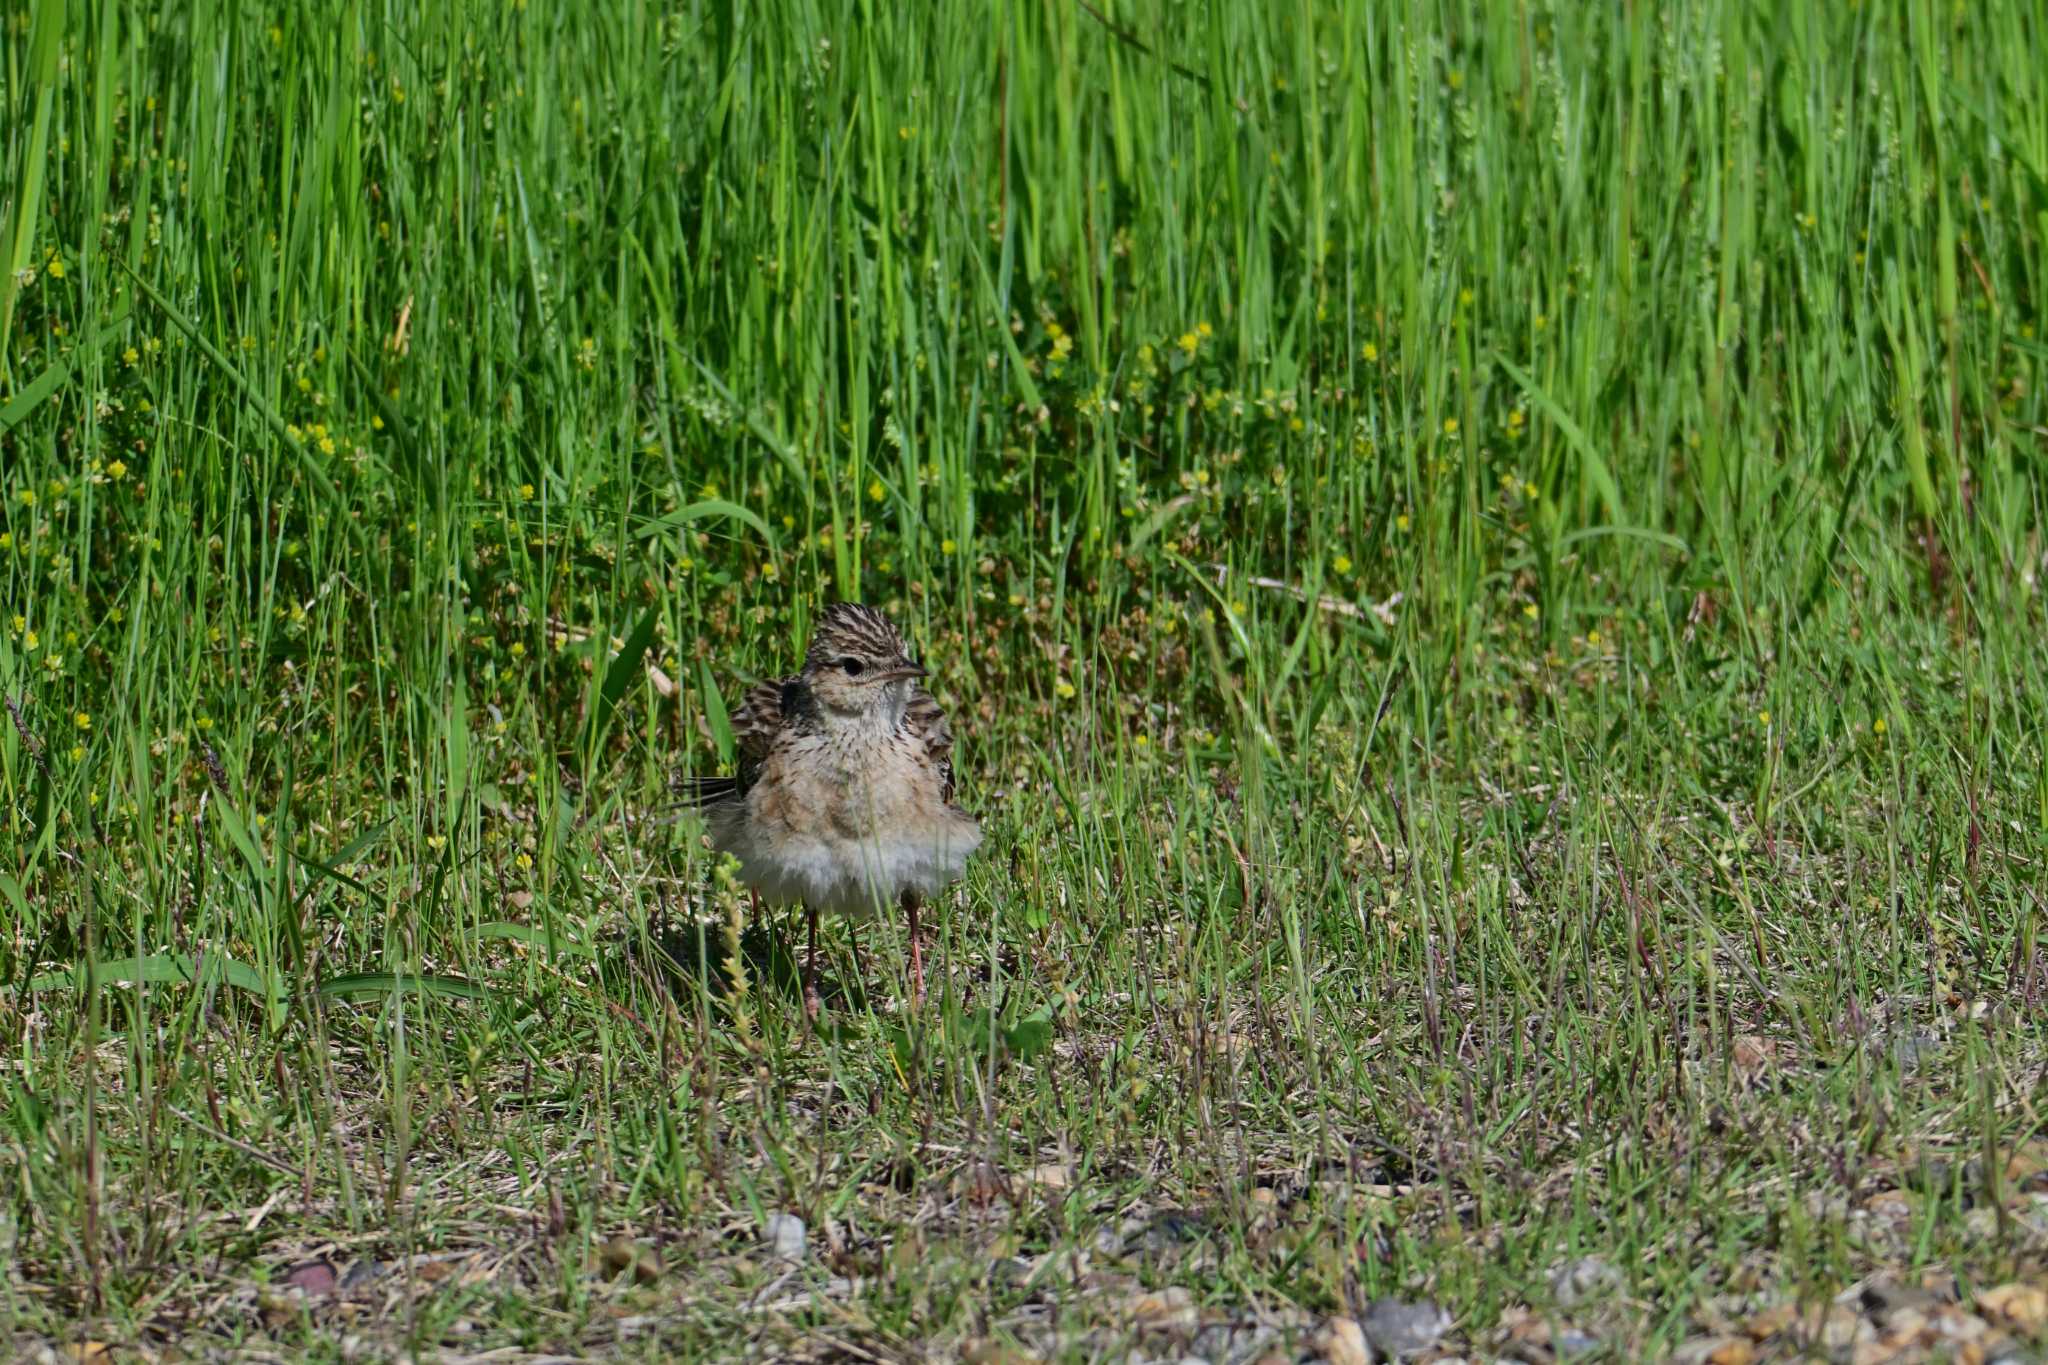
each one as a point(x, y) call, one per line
point(852, 666)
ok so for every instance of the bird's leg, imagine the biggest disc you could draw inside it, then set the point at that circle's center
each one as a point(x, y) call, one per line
point(910, 908)
point(811, 1000)
point(860, 962)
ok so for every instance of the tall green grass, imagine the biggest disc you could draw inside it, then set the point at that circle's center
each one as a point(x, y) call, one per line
point(1488, 548)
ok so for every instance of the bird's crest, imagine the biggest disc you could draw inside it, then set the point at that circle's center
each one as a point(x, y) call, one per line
point(852, 628)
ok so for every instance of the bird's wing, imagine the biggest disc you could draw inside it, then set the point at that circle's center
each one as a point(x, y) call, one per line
point(928, 723)
point(755, 724)
point(754, 727)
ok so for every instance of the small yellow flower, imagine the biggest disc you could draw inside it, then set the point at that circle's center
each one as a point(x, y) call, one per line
point(130, 356)
point(326, 445)
point(77, 752)
point(1541, 322)
point(1342, 564)
point(1763, 718)
point(204, 723)
point(526, 492)
point(875, 491)
point(1530, 491)
point(1878, 727)
point(1450, 426)
point(437, 842)
point(947, 546)
point(56, 268)
point(1464, 298)
point(31, 642)
point(27, 497)
point(117, 470)
point(1202, 329)
point(1593, 638)
point(82, 719)
point(1141, 741)
point(1371, 352)
point(1189, 342)
point(525, 860)
point(1532, 611)
point(517, 649)
point(376, 422)
point(1401, 522)
point(1064, 688)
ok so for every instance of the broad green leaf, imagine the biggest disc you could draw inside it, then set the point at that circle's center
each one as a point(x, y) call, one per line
point(715, 714)
point(374, 983)
point(159, 969)
point(617, 678)
point(708, 509)
point(534, 937)
point(1590, 459)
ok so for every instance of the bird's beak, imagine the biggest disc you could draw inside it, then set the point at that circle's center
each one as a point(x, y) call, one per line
point(903, 670)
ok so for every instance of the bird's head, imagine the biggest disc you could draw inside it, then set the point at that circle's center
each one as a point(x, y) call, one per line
point(858, 663)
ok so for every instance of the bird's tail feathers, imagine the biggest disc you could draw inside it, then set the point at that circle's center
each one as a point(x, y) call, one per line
point(704, 791)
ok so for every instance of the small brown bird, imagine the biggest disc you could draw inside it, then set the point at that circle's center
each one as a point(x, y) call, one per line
point(844, 797)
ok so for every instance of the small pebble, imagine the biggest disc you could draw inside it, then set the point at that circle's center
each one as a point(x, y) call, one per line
point(1404, 1329)
point(1573, 1342)
point(784, 1234)
point(1589, 1277)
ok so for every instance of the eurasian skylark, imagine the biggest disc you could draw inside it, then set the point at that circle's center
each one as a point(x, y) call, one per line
point(844, 796)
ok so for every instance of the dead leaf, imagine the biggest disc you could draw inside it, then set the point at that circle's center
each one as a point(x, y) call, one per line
point(622, 1253)
point(1905, 1326)
point(981, 1184)
point(89, 1352)
point(1955, 1324)
point(663, 684)
point(1752, 1055)
point(1051, 1176)
point(314, 1277)
point(2023, 1307)
point(1769, 1322)
point(1342, 1342)
point(983, 1351)
point(1714, 1351)
point(1172, 1307)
